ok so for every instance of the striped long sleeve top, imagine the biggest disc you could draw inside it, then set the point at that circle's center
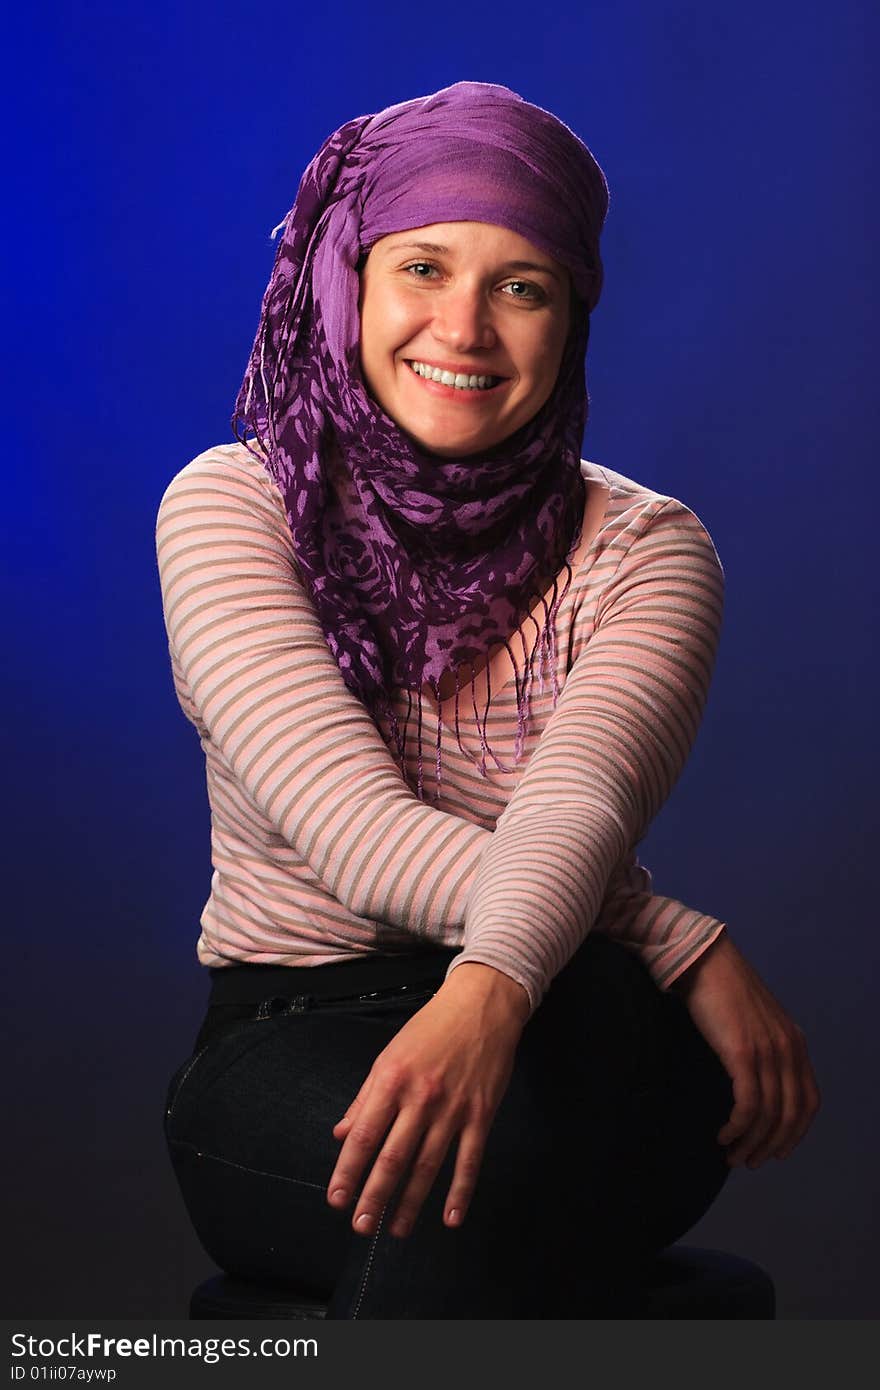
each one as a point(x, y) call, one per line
point(322, 850)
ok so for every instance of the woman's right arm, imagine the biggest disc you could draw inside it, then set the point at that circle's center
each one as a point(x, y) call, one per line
point(268, 693)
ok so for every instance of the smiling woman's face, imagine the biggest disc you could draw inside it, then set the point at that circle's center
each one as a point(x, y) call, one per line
point(475, 305)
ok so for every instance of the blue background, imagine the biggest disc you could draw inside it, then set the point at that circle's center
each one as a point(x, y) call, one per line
point(732, 363)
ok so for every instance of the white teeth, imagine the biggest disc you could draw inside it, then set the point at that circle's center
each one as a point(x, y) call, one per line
point(460, 380)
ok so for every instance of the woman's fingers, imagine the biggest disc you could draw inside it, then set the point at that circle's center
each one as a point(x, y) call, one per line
point(423, 1171)
point(407, 1163)
point(368, 1123)
point(341, 1128)
point(390, 1167)
point(464, 1179)
point(811, 1103)
point(746, 1101)
point(425, 1167)
point(765, 1118)
point(401, 1123)
point(791, 1102)
point(808, 1101)
point(786, 1113)
point(775, 1101)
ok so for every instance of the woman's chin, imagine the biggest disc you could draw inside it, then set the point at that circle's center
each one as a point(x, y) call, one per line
point(447, 442)
point(454, 451)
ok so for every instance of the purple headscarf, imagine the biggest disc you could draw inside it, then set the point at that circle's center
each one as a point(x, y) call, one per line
point(417, 564)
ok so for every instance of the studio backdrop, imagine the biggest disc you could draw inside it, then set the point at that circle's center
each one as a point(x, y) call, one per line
point(732, 364)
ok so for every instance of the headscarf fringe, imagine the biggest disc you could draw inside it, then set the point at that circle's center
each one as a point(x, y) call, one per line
point(545, 648)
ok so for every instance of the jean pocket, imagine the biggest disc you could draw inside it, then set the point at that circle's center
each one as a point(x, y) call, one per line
point(218, 1048)
point(209, 1041)
point(176, 1083)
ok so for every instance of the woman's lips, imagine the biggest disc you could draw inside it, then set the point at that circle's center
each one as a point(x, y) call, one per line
point(449, 390)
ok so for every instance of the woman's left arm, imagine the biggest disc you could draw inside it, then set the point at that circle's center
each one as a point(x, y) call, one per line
point(612, 750)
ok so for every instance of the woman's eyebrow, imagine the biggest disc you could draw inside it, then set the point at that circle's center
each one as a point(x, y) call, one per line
point(434, 249)
point(430, 246)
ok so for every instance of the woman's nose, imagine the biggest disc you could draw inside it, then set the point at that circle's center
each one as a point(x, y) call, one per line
point(463, 321)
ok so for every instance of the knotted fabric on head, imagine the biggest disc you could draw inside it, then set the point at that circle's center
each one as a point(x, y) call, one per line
point(418, 564)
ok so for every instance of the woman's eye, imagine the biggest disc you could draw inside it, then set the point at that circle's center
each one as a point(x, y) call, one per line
point(523, 289)
point(421, 270)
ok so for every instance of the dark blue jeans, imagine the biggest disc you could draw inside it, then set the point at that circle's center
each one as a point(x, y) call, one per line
point(602, 1151)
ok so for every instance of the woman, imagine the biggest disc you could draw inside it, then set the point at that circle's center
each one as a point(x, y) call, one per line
point(447, 1013)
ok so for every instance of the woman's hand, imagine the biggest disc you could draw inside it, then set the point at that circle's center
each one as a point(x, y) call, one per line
point(763, 1051)
point(443, 1075)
